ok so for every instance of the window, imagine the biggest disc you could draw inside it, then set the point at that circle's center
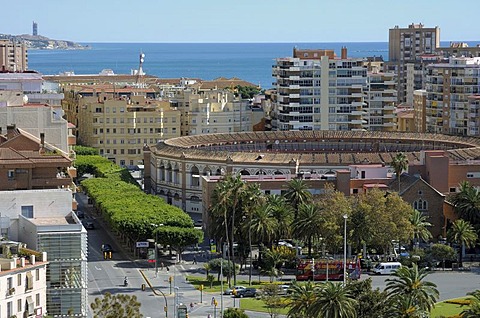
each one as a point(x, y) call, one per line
point(37, 300)
point(37, 274)
point(29, 284)
point(19, 305)
point(11, 174)
point(453, 190)
point(9, 309)
point(420, 205)
point(9, 282)
point(19, 279)
point(27, 211)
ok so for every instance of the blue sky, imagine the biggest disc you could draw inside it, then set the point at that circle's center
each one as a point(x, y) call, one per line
point(237, 21)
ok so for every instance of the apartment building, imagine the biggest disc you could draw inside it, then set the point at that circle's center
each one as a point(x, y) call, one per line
point(317, 91)
point(419, 105)
point(406, 48)
point(22, 281)
point(13, 56)
point(119, 126)
point(211, 111)
point(449, 86)
point(380, 99)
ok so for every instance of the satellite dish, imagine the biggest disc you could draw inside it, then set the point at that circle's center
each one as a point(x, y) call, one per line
point(277, 142)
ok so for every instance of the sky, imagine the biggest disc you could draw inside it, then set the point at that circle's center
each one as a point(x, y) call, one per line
point(217, 21)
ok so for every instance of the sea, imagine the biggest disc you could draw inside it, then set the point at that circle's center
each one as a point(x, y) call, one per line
point(248, 61)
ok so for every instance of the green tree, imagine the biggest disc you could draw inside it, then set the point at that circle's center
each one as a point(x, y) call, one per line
point(282, 212)
point(300, 299)
point(370, 302)
point(420, 227)
point(442, 252)
point(85, 151)
point(467, 203)
point(273, 259)
point(220, 264)
point(272, 299)
point(178, 237)
point(210, 280)
point(462, 233)
point(116, 306)
point(297, 194)
point(333, 301)
point(247, 91)
point(399, 164)
point(473, 310)
point(405, 307)
point(308, 224)
point(408, 283)
point(234, 313)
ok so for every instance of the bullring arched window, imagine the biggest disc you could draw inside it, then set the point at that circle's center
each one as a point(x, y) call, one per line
point(195, 176)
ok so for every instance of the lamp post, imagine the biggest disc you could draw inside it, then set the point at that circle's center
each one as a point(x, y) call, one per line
point(345, 217)
point(166, 303)
point(156, 249)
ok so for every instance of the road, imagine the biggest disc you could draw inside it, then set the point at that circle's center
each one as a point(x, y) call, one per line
point(107, 276)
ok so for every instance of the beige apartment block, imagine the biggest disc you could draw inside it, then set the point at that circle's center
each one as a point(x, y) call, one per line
point(381, 95)
point(449, 86)
point(120, 126)
point(419, 103)
point(211, 111)
point(13, 56)
point(406, 47)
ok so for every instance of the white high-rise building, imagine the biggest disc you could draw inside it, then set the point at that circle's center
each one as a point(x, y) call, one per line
point(317, 91)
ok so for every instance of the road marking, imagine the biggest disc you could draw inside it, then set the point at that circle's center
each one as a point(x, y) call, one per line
point(97, 268)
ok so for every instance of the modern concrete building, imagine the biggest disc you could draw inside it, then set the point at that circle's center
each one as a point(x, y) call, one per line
point(381, 96)
point(22, 281)
point(449, 86)
point(317, 91)
point(459, 49)
point(44, 220)
point(34, 28)
point(406, 47)
point(13, 56)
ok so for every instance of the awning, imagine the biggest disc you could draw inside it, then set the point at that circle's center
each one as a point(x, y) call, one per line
point(29, 280)
point(30, 305)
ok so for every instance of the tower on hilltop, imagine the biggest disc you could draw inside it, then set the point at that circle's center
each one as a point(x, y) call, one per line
point(34, 28)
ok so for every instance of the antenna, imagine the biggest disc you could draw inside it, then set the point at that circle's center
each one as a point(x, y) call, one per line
point(140, 72)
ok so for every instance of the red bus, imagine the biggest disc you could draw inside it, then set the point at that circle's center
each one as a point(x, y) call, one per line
point(327, 269)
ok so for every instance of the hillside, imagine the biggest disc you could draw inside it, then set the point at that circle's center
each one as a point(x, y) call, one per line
point(43, 43)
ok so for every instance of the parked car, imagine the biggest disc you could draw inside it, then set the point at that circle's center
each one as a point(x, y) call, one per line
point(107, 248)
point(247, 292)
point(283, 289)
point(80, 214)
point(88, 225)
point(229, 291)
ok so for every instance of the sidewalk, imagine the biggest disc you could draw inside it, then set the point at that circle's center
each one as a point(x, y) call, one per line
point(184, 292)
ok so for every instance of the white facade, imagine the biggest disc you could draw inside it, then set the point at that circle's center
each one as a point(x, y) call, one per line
point(319, 94)
point(44, 220)
point(22, 287)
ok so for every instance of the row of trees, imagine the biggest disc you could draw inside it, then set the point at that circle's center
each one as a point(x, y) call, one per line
point(136, 216)
point(407, 294)
point(241, 213)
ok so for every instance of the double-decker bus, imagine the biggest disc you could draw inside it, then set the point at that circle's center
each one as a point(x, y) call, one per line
point(327, 269)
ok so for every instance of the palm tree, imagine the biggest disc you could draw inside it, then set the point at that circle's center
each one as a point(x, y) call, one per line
point(474, 308)
point(297, 194)
point(462, 233)
point(300, 299)
point(420, 227)
point(405, 307)
point(467, 202)
point(307, 226)
point(273, 260)
point(408, 283)
point(333, 301)
point(399, 164)
point(283, 214)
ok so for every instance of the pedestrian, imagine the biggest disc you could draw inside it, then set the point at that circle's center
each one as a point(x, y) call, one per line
point(168, 269)
point(209, 316)
point(194, 260)
point(191, 306)
point(161, 265)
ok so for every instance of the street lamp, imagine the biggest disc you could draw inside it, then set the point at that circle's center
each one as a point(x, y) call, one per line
point(156, 249)
point(345, 217)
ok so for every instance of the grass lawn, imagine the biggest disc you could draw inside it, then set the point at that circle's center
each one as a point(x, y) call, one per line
point(216, 286)
point(443, 309)
point(253, 304)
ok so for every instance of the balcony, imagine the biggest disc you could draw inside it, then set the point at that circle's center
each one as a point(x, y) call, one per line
point(294, 95)
point(51, 182)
